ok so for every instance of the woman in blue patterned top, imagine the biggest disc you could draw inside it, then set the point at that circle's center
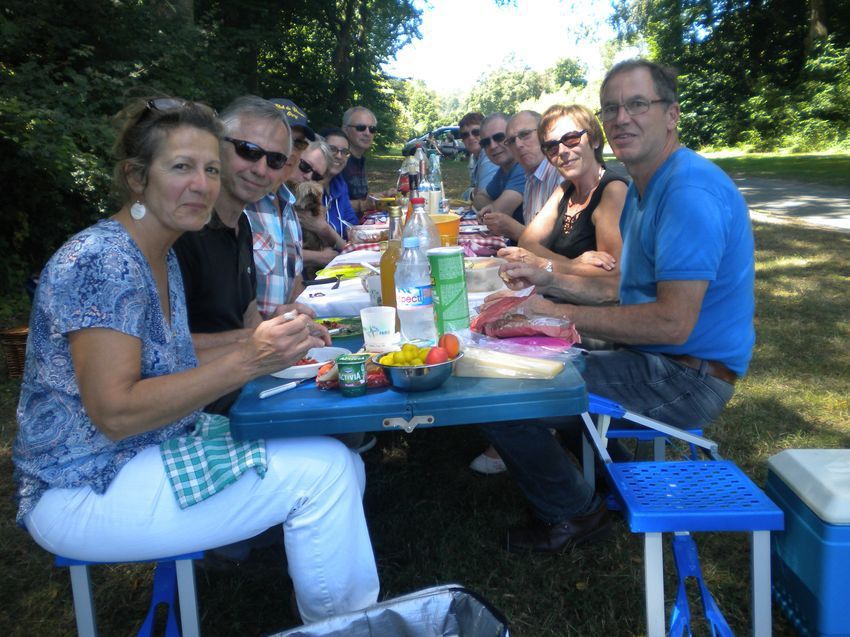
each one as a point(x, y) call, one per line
point(112, 384)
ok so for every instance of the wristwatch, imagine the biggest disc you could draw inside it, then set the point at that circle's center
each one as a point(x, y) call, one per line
point(548, 266)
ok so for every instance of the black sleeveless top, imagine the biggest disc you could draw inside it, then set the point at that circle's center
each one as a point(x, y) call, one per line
point(582, 236)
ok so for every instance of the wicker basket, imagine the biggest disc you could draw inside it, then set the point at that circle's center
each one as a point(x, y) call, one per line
point(14, 342)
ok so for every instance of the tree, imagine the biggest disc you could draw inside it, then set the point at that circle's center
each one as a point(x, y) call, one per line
point(568, 71)
point(740, 60)
point(67, 66)
point(504, 89)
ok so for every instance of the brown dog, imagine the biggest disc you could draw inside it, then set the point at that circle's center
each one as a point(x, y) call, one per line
point(308, 202)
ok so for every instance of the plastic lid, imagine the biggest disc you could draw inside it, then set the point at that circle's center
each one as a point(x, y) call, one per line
point(410, 242)
point(821, 479)
point(416, 200)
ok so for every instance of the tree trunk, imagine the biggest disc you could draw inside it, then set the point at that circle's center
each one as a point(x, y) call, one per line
point(817, 26)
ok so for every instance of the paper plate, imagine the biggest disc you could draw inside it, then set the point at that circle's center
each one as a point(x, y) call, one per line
point(321, 354)
point(473, 229)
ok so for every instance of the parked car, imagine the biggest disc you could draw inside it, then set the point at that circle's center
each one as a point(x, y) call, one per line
point(445, 138)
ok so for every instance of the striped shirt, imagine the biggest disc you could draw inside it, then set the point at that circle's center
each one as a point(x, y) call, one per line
point(277, 241)
point(539, 186)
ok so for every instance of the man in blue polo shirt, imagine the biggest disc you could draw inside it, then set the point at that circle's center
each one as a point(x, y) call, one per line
point(499, 205)
point(685, 318)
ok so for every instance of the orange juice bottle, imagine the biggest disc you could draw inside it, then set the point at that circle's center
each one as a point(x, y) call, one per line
point(390, 257)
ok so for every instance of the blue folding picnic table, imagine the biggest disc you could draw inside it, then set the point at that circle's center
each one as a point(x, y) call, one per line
point(307, 410)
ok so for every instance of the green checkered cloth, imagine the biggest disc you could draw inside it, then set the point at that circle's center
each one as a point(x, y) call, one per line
point(206, 461)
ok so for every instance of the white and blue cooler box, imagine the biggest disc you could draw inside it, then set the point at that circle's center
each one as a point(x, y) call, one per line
point(811, 558)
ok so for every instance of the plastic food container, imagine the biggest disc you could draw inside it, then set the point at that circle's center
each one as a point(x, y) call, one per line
point(482, 274)
point(368, 234)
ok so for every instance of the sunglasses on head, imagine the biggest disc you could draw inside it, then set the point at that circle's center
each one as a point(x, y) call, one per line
point(570, 140)
point(361, 127)
point(163, 104)
point(495, 137)
point(475, 132)
point(307, 169)
point(342, 152)
point(253, 153)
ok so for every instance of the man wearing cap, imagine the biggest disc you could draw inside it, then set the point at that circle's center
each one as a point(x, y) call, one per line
point(302, 134)
point(360, 125)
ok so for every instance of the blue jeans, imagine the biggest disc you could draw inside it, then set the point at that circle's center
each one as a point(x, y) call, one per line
point(649, 384)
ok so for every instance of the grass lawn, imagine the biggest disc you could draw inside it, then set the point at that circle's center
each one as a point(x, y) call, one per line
point(433, 521)
point(831, 169)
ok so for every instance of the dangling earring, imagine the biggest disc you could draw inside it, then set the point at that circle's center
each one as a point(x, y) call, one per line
point(138, 211)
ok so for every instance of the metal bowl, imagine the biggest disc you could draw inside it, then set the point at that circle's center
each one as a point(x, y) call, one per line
point(417, 377)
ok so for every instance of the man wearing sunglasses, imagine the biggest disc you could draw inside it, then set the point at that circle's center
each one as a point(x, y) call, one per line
point(218, 262)
point(541, 177)
point(499, 205)
point(360, 125)
point(685, 317)
point(481, 169)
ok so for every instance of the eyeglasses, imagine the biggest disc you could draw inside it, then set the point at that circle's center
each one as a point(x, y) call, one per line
point(300, 143)
point(495, 137)
point(634, 106)
point(522, 136)
point(341, 152)
point(307, 169)
point(361, 127)
point(253, 153)
point(570, 140)
point(475, 132)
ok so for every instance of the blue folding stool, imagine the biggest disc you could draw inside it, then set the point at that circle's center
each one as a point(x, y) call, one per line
point(172, 575)
point(683, 497)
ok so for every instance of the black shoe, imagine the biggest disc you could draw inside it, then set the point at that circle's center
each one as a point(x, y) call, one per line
point(541, 537)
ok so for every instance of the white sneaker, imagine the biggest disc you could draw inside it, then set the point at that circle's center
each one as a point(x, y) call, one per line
point(487, 465)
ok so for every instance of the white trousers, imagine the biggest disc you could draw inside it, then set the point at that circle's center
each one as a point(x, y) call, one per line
point(313, 487)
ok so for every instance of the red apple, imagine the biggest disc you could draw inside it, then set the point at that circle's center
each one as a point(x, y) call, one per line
point(436, 355)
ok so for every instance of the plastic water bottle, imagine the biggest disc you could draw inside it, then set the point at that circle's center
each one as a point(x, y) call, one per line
point(435, 177)
point(421, 225)
point(413, 294)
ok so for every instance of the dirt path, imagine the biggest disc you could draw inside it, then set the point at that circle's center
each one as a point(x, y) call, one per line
point(781, 200)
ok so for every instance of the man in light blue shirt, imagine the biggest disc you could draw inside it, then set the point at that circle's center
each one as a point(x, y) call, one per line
point(481, 169)
point(499, 206)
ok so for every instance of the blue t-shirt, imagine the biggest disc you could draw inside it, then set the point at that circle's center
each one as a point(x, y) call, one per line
point(98, 279)
point(338, 204)
point(483, 171)
point(692, 224)
point(513, 179)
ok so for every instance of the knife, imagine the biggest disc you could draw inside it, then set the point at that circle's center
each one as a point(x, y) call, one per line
point(273, 391)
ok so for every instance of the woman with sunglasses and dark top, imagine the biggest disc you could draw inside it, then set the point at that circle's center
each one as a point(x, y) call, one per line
point(113, 386)
point(577, 230)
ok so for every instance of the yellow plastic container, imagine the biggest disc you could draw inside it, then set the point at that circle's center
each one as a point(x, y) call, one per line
point(448, 226)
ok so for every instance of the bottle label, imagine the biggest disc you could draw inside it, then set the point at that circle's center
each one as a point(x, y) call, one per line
point(412, 297)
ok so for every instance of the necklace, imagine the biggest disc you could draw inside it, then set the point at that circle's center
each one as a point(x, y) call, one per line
point(570, 219)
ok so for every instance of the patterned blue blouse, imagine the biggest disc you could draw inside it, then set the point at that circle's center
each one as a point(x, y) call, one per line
point(98, 279)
